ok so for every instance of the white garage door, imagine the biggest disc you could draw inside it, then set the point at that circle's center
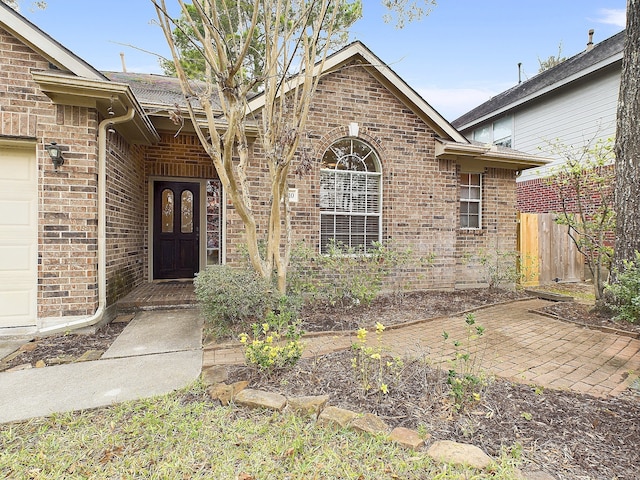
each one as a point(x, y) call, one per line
point(18, 238)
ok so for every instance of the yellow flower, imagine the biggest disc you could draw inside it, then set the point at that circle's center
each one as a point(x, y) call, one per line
point(265, 327)
point(270, 339)
point(362, 334)
point(375, 356)
point(384, 388)
point(243, 338)
point(379, 327)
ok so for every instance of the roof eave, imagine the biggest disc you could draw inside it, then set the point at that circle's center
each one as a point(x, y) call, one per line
point(103, 95)
point(488, 155)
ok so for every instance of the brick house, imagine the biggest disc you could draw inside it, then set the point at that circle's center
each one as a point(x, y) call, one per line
point(137, 201)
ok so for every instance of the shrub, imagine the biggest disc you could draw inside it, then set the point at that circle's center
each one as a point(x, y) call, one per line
point(623, 297)
point(275, 343)
point(342, 275)
point(232, 297)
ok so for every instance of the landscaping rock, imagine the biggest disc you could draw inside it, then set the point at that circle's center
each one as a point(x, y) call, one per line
point(334, 416)
point(29, 347)
point(215, 374)
point(40, 364)
point(309, 405)
point(406, 437)
point(225, 393)
point(459, 454)
point(260, 399)
point(370, 423)
point(90, 355)
point(62, 359)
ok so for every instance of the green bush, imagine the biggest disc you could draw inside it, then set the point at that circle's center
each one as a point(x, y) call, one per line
point(232, 297)
point(342, 275)
point(623, 297)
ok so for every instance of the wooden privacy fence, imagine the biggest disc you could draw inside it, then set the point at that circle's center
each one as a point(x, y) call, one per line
point(547, 253)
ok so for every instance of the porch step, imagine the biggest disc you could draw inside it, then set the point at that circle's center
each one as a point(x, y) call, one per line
point(158, 296)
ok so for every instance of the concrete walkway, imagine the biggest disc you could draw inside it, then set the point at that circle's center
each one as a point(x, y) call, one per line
point(518, 345)
point(157, 353)
point(160, 351)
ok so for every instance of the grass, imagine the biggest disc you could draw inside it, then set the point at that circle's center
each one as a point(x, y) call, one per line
point(184, 435)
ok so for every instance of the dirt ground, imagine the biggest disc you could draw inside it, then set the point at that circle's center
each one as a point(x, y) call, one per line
point(568, 435)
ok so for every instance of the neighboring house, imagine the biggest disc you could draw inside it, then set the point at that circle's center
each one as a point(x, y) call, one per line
point(137, 199)
point(572, 103)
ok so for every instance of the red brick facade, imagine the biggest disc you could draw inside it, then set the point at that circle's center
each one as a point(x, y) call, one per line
point(67, 209)
point(420, 192)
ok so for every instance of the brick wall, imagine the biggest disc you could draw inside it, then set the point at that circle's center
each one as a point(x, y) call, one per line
point(420, 193)
point(67, 209)
point(126, 230)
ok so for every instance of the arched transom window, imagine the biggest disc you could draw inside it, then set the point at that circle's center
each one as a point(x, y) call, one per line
point(350, 196)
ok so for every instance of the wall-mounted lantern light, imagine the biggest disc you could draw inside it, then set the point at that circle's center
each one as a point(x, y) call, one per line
point(55, 153)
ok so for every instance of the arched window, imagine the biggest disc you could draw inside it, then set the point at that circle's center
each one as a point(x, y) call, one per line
point(350, 196)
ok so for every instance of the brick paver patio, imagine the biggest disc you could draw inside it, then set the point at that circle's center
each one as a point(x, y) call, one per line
point(518, 345)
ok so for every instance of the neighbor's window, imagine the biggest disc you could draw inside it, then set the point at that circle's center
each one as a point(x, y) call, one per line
point(499, 132)
point(470, 200)
point(350, 196)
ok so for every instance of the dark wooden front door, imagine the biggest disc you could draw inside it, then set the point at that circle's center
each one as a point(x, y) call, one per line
point(176, 222)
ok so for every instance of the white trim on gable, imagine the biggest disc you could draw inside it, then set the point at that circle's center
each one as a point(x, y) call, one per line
point(387, 76)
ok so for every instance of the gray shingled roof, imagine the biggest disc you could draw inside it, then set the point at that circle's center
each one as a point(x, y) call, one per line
point(151, 89)
point(582, 61)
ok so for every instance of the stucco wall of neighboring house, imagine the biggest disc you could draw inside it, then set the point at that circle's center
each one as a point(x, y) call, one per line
point(420, 193)
point(126, 229)
point(67, 209)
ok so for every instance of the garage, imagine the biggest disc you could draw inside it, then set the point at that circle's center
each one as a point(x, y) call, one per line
point(18, 236)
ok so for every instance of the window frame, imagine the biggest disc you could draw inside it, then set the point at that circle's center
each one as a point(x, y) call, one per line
point(348, 203)
point(489, 130)
point(468, 200)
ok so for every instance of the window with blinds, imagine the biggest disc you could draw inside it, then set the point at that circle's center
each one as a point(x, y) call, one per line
point(350, 196)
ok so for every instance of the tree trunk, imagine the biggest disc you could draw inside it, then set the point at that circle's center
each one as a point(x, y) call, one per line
point(627, 186)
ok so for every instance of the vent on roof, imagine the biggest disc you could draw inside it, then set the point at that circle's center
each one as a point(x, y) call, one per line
point(590, 43)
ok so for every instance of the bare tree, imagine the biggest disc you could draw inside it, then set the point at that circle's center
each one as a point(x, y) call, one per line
point(294, 38)
point(627, 184)
point(295, 35)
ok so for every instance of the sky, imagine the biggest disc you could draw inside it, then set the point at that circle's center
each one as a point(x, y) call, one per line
point(460, 55)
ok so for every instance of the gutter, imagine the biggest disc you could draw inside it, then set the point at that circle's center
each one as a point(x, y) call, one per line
point(102, 228)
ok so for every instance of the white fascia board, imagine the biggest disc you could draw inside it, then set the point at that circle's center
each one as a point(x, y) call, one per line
point(38, 40)
point(543, 91)
point(88, 92)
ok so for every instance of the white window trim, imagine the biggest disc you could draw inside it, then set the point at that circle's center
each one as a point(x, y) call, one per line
point(472, 200)
point(334, 212)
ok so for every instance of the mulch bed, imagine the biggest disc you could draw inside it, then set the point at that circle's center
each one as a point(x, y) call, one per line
point(568, 435)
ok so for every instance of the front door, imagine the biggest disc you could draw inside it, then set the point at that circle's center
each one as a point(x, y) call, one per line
point(176, 231)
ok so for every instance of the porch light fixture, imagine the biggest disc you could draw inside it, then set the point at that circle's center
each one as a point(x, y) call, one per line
point(55, 153)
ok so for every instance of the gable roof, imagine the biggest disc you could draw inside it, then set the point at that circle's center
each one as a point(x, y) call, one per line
point(39, 41)
point(358, 52)
point(602, 55)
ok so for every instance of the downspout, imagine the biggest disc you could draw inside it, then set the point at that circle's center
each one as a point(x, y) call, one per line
point(102, 228)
